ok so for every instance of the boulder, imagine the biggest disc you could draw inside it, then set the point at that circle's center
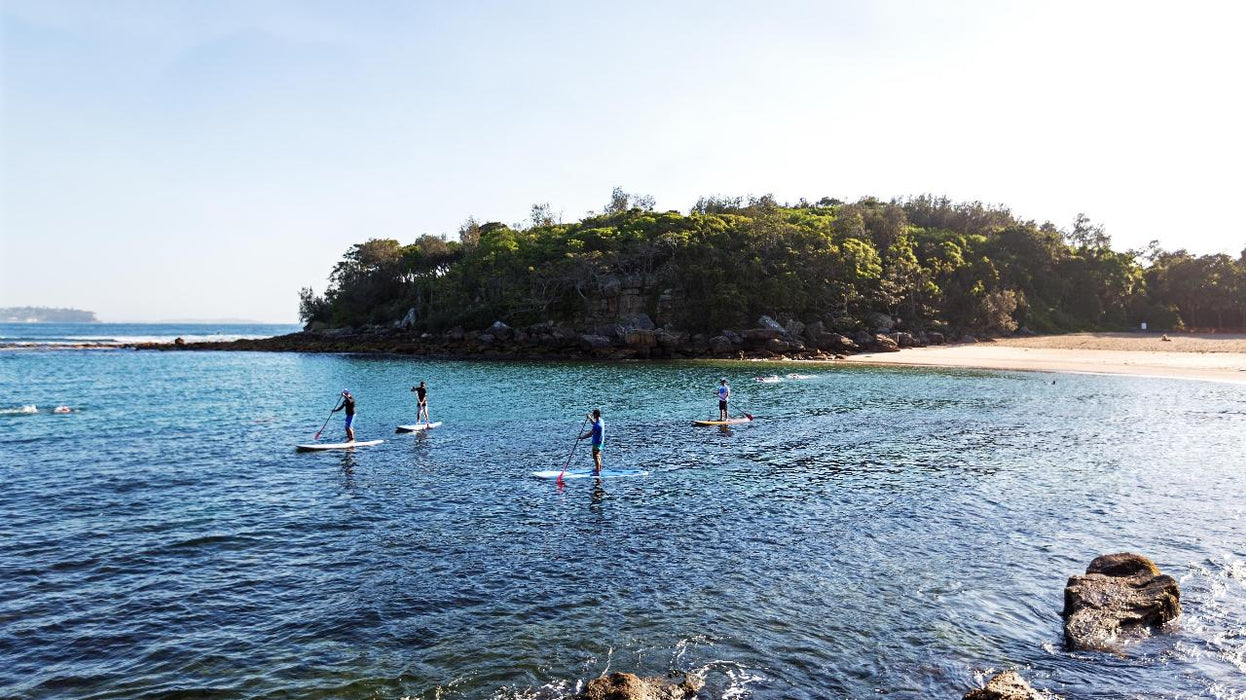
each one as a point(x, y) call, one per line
point(758, 337)
point(640, 338)
point(456, 333)
point(883, 343)
point(968, 339)
point(408, 320)
point(795, 328)
point(1025, 332)
point(629, 686)
point(814, 331)
point(863, 339)
point(770, 323)
point(500, 330)
point(720, 345)
point(935, 338)
point(842, 342)
point(563, 335)
point(735, 338)
point(1120, 597)
point(1008, 685)
point(880, 323)
point(641, 322)
point(778, 346)
point(904, 339)
point(592, 343)
point(670, 339)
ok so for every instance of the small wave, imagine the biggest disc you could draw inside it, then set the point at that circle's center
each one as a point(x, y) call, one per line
point(19, 411)
point(772, 379)
point(793, 375)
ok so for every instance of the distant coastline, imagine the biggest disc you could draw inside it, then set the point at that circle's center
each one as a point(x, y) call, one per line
point(44, 314)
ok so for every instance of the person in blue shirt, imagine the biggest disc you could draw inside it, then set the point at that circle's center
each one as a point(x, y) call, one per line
point(598, 434)
point(723, 394)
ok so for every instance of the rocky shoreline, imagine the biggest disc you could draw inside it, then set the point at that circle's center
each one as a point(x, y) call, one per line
point(1121, 598)
point(637, 339)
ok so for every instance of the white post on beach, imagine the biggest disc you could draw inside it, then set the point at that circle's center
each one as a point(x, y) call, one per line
point(1144, 325)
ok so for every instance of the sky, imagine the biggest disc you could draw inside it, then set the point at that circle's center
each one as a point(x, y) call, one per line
point(167, 159)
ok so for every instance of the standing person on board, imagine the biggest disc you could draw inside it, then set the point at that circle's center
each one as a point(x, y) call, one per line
point(723, 393)
point(598, 434)
point(348, 404)
point(421, 403)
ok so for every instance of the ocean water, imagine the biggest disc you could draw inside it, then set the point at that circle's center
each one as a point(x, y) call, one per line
point(875, 532)
point(105, 335)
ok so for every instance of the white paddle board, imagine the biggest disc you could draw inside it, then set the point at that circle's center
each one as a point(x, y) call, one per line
point(588, 473)
point(732, 421)
point(417, 427)
point(317, 446)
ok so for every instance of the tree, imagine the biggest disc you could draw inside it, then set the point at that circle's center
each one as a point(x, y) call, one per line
point(469, 233)
point(542, 215)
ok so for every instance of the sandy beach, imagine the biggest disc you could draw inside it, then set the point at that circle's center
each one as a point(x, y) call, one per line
point(1212, 357)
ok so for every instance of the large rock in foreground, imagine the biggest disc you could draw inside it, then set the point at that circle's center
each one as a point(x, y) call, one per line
point(1121, 596)
point(1008, 685)
point(629, 686)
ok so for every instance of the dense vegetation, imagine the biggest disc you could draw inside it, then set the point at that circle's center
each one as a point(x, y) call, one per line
point(932, 262)
point(43, 314)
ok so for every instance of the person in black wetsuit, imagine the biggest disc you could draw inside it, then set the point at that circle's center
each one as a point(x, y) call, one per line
point(421, 403)
point(348, 404)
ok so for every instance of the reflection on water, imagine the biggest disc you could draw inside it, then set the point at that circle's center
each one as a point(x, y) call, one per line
point(875, 531)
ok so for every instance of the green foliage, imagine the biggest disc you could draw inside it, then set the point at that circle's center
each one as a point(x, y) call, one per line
point(929, 261)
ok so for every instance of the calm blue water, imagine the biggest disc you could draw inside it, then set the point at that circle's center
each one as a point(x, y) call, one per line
point(45, 335)
point(876, 532)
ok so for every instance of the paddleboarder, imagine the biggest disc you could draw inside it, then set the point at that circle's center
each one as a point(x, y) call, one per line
point(598, 433)
point(723, 393)
point(348, 404)
point(421, 403)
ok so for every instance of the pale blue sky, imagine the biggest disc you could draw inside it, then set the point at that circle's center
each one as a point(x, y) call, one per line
point(169, 159)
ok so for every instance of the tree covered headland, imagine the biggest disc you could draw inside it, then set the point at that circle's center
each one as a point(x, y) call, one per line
point(933, 263)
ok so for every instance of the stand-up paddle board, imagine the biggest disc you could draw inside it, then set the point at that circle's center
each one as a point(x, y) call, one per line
point(417, 427)
point(588, 473)
point(317, 446)
point(730, 421)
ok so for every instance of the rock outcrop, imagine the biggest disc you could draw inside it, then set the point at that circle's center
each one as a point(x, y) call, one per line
point(884, 343)
point(1120, 596)
point(1008, 685)
point(629, 686)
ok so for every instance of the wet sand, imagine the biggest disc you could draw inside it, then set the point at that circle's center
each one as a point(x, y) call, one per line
point(1211, 357)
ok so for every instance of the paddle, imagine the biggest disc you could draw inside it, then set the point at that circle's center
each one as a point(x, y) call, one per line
point(573, 446)
point(326, 423)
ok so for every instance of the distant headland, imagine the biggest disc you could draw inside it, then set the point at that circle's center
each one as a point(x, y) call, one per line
point(43, 314)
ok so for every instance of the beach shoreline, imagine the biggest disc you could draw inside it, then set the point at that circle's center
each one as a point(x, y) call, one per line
point(1210, 357)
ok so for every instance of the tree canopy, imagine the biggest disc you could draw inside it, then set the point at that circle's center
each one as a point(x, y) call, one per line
point(932, 262)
